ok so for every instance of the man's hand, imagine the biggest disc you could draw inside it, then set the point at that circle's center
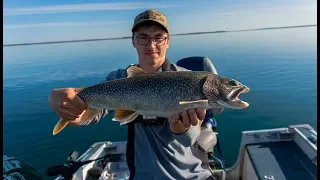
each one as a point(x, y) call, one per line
point(180, 123)
point(66, 104)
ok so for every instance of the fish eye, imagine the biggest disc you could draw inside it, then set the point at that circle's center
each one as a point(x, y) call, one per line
point(233, 83)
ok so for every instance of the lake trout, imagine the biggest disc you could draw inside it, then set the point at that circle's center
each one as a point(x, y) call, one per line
point(160, 94)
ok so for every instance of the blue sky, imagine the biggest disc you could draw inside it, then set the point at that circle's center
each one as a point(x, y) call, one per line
point(53, 20)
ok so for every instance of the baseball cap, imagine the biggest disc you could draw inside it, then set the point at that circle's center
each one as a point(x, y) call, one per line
point(151, 15)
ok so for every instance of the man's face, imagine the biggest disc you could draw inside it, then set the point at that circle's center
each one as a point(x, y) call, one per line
point(151, 43)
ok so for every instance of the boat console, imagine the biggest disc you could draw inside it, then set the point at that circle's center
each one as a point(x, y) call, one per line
point(281, 154)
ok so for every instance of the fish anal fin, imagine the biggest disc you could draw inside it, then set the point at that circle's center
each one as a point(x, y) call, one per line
point(134, 71)
point(124, 116)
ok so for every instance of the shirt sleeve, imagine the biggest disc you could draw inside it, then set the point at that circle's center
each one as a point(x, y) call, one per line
point(189, 137)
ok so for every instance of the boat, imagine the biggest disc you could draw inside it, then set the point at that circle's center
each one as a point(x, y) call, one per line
point(271, 154)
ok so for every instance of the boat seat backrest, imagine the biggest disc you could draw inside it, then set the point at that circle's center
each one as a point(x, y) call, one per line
point(197, 63)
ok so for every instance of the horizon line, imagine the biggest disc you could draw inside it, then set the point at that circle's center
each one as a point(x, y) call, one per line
point(178, 34)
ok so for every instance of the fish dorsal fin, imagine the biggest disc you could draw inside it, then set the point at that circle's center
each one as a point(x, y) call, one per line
point(134, 71)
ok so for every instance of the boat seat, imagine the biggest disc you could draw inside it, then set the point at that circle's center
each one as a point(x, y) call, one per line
point(281, 161)
point(197, 63)
point(207, 138)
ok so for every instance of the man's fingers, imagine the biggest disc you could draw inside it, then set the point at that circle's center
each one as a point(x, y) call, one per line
point(193, 117)
point(71, 108)
point(181, 122)
point(78, 103)
point(185, 119)
point(67, 115)
point(175, 119)
point(201, 113)
point(74, 110)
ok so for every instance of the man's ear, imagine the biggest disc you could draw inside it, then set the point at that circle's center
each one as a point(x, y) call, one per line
point(168, 42)
point(133, 43)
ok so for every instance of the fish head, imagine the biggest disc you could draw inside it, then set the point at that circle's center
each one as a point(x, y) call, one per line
point(224, 92)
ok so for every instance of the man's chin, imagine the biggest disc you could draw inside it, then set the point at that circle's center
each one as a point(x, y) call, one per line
point(154, 59)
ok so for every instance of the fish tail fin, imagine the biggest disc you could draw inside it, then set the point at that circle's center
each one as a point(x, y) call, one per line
point(87, 115)
point(124, 116)
point(61, 124)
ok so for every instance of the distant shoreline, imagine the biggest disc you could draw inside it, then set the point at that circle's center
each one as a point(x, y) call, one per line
point(128, 37)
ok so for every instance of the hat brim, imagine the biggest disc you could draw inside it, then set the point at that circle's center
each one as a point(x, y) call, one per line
point(148, 20)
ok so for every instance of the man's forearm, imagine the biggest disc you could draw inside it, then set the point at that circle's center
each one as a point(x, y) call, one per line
point(189, 137)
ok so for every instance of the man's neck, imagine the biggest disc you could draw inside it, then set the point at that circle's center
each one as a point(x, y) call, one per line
point(151, 68)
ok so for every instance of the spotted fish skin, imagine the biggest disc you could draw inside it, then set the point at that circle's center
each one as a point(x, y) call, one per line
point(147, 92)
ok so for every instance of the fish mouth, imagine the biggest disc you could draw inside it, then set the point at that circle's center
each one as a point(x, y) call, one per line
point(235, 97)
point(234, 101)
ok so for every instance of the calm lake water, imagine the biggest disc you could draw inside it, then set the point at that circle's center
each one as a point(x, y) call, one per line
point(279, 66)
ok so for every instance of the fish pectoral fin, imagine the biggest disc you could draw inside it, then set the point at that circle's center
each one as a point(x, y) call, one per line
point(88, 114)
point(124, 116)
point(134, 71)
point(194, 102)
point(61, 124)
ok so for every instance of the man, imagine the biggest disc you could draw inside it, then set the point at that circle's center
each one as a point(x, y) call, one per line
point(161, 150)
